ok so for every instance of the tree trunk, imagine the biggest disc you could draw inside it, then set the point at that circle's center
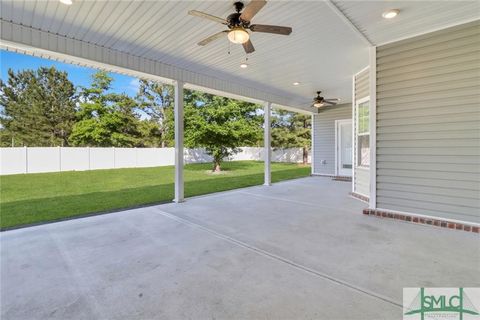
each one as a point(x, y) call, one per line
point(216, 166)
point(305, 155)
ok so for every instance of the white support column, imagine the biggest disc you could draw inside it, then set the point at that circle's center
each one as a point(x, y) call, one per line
point(179, 187)
point(373, 128)
point(267, 141)
point(312, 147)
point(354, 142)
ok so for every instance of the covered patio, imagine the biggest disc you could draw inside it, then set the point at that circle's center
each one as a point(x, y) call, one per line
point(255, 253)
point(300, 249)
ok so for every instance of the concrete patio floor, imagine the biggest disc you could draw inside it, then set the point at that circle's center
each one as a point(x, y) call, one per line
point(299, 249)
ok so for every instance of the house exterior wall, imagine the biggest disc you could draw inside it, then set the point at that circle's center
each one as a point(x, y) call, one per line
point(428, 124)
point(324, 137)
point(361, 176)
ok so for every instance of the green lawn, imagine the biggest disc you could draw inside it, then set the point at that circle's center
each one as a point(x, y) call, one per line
point(34, 198)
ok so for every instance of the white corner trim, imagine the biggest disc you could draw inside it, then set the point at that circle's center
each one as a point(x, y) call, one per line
point(348, 22)
point(373, 127)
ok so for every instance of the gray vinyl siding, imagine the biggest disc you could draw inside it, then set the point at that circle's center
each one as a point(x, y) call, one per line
point(428, 124)
point(362, 85)
point(324, 137)
point(361, 179)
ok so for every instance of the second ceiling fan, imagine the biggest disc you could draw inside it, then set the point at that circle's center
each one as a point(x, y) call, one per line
point(319, 101)
point(238, 23)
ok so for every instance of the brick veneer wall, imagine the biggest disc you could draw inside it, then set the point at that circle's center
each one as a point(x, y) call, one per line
point(423, 220)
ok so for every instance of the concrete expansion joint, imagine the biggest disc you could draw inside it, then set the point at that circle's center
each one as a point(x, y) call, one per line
point(291, 201)
point(281, 259)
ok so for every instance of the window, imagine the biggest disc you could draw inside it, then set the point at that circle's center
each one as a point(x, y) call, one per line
point(363, 134)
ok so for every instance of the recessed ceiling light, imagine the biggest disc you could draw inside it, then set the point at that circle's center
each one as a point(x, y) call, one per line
point(243, 65)
point(296, 83)
point(390, 14)
point(67, 2)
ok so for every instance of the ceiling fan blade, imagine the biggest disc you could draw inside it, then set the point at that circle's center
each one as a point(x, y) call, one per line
point(252, 9)
point(207, 16)
point(271, 29)
point(248, 46)
point(213, 37)
point(330, 102)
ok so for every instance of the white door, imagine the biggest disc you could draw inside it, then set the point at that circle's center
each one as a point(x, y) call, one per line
point(344, 147)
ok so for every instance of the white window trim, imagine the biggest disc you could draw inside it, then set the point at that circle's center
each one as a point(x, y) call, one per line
point(357, 103)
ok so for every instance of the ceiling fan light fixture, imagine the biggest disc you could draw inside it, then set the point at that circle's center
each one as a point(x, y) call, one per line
point(67, 2)
point(238, 35)
point(390, 14)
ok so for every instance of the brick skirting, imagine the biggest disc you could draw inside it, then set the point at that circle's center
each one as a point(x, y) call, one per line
point(342, 178)
point(422, 220)
point(360, 197)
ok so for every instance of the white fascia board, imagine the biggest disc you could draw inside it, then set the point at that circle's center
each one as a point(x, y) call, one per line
point(23, 39)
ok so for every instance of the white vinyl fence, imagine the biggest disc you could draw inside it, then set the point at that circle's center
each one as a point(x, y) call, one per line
point(54, 159)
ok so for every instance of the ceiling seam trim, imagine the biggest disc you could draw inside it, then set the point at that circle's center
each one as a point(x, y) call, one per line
point(349, 22)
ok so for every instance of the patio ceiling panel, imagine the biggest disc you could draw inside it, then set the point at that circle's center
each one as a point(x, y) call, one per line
point(416, 17)
point(322, 52)
point(47, 45)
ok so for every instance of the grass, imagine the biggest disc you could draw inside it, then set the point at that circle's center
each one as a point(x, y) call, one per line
point(34, 198)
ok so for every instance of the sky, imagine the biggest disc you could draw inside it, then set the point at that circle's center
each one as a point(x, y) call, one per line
point(79, 76)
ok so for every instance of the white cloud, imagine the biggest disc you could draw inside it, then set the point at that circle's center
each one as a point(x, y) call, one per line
point(134, 84)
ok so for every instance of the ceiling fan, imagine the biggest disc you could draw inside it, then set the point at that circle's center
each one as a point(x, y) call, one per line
point(319, 101)
point(239, 22)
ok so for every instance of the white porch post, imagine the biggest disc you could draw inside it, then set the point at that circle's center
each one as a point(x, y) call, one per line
point(373, 128)
point(179, 187)
point(267, 141)
point(312, 145)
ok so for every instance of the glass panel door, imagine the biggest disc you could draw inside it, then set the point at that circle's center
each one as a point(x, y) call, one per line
point(344, 145)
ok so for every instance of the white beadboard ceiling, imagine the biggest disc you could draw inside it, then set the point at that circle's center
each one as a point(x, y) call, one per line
point(416, 17)
point(322, 53)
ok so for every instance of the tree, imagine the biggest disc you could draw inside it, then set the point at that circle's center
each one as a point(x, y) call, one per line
point(38, 107)
point(218, 124)
point(156, 100)
point(106, 119)
point(290, 130)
